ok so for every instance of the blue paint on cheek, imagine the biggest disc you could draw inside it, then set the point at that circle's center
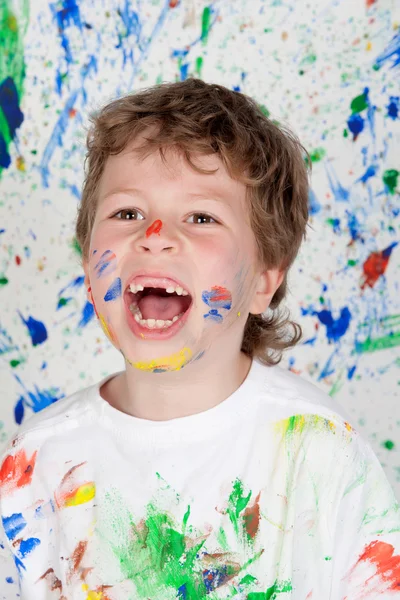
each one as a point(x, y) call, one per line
point(37, 330)
point(114, 291)
point(214, 315)
point(107, 264)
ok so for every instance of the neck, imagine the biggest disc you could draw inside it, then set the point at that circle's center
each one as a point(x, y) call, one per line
point(171, 395)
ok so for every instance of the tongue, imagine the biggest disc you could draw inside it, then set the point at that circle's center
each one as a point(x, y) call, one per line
point(159, 307)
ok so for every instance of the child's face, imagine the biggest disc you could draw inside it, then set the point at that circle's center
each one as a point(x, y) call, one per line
point(182, 225)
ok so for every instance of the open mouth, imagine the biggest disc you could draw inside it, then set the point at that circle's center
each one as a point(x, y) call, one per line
point(157, 307)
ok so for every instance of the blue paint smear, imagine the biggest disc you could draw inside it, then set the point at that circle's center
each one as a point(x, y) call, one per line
point(370, 172)
point(393, 107)
point(335, 328)
point(87, 314)
point(37, 330)
point(313, 204)
point(184, 71)
point(19, 411)
point(350, 372)
point(114, 291)
point(340, 193)
point(356, 124)
point(336, 225)
point(75, 283)
point(63, 121)
point(26, 546)
point(209, 298)
point(106, 265)
point(388, 251)
point(9, 103)
point(328, 369)
point(391, 53)
point(214, 315)
point(13, 525)
point(5, 158)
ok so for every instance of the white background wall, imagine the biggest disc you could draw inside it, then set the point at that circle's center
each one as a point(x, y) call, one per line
point(309, 63)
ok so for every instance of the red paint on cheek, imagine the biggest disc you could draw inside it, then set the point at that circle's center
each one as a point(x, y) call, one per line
point(154, 228)
point(380, 554)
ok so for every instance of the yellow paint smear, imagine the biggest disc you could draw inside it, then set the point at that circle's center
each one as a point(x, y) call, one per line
point(174, 362)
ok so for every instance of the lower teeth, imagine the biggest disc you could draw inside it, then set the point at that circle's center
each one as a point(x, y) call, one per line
point(151, 323)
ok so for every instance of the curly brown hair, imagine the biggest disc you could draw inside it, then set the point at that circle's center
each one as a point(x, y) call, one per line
point(197, 117)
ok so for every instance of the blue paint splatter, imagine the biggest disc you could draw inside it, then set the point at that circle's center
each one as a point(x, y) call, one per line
point(313, 204)
point(13, 525)
point(393, 107)
point(114, 291)
point(26, 546)
point(340, 193)
point(356, 125)
point(370, 172)
point(391, 52)
point(37, 330)
point(36, 400)
point(335, 328)
point(87, 314)
point(9, 104)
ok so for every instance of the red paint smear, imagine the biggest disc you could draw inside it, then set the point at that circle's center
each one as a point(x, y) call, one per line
point(17, 471)
point(252, 518)
point(154, 228)
point(380, 554)
point(18, 260)
point(221, 294)
point(374, 267)
point(370, 3)
point(173, 3)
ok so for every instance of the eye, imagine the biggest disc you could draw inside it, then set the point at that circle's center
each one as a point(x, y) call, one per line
point(202, 218)
point(129, 211)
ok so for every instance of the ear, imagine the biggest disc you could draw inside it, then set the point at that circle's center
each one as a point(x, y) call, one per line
point(268, 283)
point(86, 282)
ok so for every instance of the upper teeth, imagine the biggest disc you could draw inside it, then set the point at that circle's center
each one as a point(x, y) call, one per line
point(170, 290)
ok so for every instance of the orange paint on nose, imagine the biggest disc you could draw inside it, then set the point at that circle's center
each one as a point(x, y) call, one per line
point(154, 228)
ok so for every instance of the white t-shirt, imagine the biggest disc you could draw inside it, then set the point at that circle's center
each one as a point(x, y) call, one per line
point(269, 495)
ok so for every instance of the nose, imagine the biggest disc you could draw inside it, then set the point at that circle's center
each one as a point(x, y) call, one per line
point(156, 239)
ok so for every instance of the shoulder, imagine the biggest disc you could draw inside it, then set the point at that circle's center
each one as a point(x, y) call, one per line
point(65, 414)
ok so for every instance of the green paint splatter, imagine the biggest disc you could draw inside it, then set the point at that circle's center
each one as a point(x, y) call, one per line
point(317, 155)
point(390, 178)
point(237, 504)
point(345, 133)
point(351, 262)
point(264, 110)
point(199, 66)
point(359, 103)
point(12, 64)
point(205, 25)
point(76, 247)
point(388, 444)
point(272, 592)
point(3, 280)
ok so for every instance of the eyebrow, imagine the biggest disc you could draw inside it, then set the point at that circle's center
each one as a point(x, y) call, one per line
point(206, 195)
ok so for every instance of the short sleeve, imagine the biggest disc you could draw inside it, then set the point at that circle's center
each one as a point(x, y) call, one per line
point(366, 557)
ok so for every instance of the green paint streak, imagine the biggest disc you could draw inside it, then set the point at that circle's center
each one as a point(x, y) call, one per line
point(382, 343)
point(221, 538)
point(76, 247)
point(308, 60)
point(317, 154)
point(199, 66)
point(12, 62)
point(390, 178)
point(237, 504)
point(271, 593)
point(389, 445)
point(205, 25)
point(359, 103)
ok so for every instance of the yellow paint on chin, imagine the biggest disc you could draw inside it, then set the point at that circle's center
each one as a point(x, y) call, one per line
point(174, 362)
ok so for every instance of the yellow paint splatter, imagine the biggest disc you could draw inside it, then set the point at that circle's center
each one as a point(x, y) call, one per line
point(107, 330)
point(174, 362)
point(368, 46)
point(21, 164)
point(239, 314)
point(82, 494)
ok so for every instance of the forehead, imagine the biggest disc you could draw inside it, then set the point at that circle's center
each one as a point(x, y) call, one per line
point(128, 170)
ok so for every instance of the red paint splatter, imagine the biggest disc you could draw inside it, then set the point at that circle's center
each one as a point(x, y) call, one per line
point(72, 112)
point(18, 260)
point(380, 554)
point(376, 265)
point(154, 228)
point(369, 3)
point(17, 471)
point(173, 3)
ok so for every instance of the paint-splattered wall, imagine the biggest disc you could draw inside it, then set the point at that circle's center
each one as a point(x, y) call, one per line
point(329, 69)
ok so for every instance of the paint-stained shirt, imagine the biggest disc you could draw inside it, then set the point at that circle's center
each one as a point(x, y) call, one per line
point(272, 494)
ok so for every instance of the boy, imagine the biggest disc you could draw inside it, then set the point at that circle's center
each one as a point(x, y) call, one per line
point(203, 469)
